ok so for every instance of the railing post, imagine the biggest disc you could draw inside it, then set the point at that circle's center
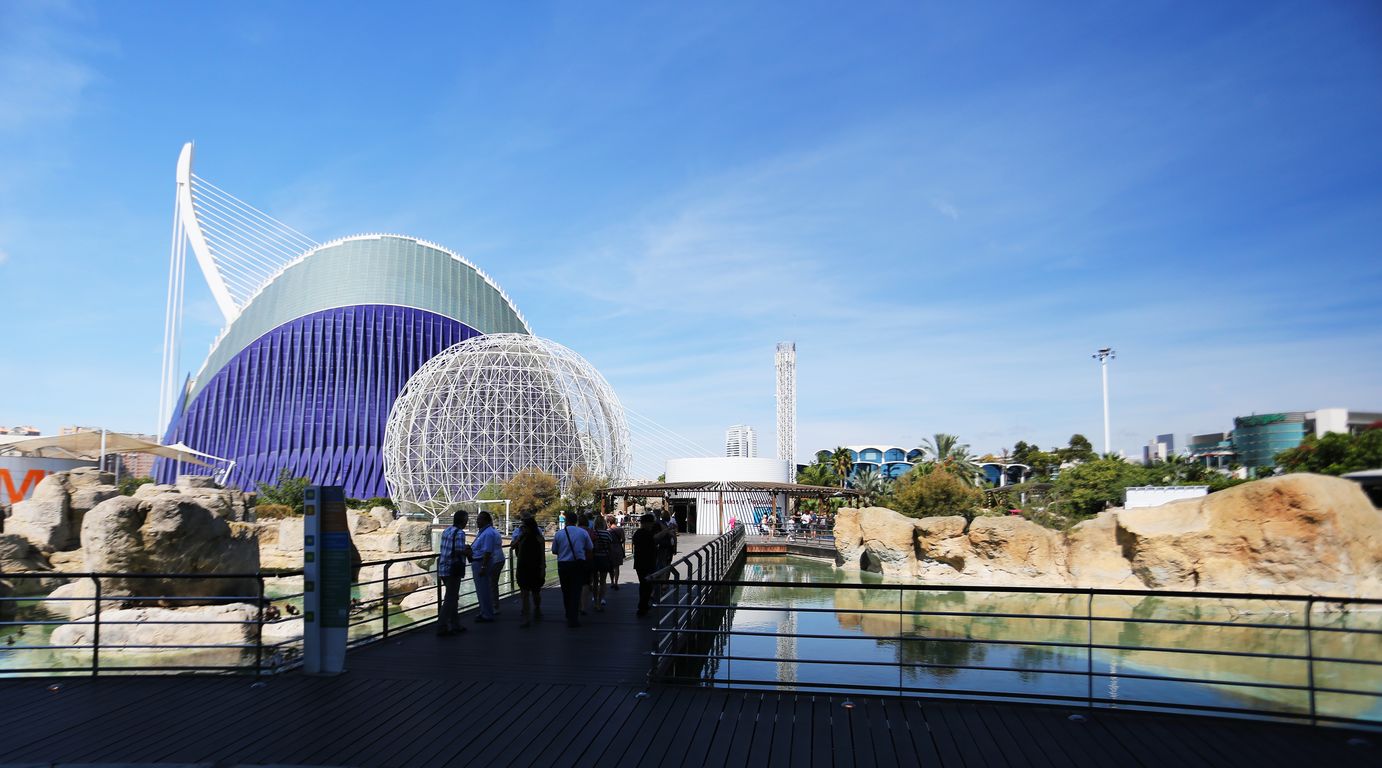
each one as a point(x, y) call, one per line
point(384, 602)
point(259, 631)
point(1310, 655)
point(1089, 649)
point(96, 631)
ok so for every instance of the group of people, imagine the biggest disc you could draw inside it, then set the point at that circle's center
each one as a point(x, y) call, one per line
point(590, 549)
point(805, 524)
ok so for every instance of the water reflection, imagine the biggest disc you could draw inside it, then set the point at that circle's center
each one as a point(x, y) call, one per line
point(903, 639)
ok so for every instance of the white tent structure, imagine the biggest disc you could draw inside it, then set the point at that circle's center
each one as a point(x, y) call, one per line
point(97, 445)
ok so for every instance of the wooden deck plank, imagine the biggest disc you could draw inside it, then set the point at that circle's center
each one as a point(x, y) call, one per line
point(490, 706)
point(871, 728)
point(417, 716)
point(822, 749)
point(641, 741)
point(712, 720)
point(923, 741)
point(759, 746)
point(1008, 737)
point(694, 720)
point(614, 712)
point(728, 730)
point(842, 748)
point(553, 719)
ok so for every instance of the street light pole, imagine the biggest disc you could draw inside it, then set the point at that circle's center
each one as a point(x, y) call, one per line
point(1103, 356)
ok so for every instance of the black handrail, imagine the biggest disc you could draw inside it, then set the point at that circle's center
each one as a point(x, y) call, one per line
point(670, 642)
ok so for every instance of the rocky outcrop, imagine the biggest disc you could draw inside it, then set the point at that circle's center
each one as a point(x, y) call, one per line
point(405, 578)
point(168, 533)
point(17, 555)
point(74, 600)
point(159, 631)
point(52, 516)
point(228, 503)
point(376, 534)
point(1294, 534)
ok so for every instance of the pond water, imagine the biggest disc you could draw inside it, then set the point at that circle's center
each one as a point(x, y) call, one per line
point(861, 638)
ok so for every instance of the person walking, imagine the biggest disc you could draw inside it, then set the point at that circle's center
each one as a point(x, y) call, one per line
point(617, 550)
point(572, 547)
point(602, 545)
point(451, 569)
point(646, 553)
point(530, 565)
point(487, 553)
point(667, 545)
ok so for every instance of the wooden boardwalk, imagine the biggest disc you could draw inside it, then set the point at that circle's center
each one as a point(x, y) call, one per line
point(499, 695)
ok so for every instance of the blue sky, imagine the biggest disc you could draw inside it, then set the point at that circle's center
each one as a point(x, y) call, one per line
point(947, 206)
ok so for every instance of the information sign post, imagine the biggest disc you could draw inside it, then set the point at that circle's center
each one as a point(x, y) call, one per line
point(326, 579)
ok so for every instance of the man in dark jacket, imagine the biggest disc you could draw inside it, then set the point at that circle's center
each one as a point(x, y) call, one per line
point(646, 543)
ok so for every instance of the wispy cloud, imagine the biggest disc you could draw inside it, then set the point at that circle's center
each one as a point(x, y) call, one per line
point(43, 78)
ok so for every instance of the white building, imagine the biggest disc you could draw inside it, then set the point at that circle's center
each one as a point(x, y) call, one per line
point(741, 441)
point(710, 513)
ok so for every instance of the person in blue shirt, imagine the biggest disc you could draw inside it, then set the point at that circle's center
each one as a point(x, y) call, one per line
point(487, 555)
point(572, 547)
point(451, 569)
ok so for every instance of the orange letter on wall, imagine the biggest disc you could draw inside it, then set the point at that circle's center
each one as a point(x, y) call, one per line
point(31, 480)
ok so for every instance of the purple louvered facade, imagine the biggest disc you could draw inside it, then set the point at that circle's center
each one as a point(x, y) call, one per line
point(313, 396)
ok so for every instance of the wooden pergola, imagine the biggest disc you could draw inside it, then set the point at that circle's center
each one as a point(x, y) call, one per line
point(720, 489)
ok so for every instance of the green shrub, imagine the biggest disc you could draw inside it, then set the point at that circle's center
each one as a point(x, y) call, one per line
point(935, 493)
point(128, 485)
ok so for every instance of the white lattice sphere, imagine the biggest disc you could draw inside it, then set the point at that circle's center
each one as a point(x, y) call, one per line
point(493, 405)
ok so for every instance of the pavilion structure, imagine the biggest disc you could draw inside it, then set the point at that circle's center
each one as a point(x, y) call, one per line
point(723, 499)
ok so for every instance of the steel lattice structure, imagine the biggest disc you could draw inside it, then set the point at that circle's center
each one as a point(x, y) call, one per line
point(787, 401)
point(496, 404)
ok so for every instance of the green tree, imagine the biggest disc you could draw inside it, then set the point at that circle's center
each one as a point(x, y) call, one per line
point(872, 487)
point(287, 491)
point(533, 491)
point(1088, 488)
point(934, 493)
point(841, 462)
point(1335, 453)
point(581, 488)
point(1022, 452)
point(817, 474)
point(128, 485)
point(948, 453)
point(1079, 449)
point(1044, 464)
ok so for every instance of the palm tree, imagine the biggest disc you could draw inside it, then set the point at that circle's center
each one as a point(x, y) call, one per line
point(948, 453)
point(841, 462)
point(816, 474)
point(940, 446)
point(872, 487)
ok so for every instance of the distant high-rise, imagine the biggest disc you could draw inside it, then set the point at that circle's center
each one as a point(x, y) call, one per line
point(741, 440)
point(787, 401)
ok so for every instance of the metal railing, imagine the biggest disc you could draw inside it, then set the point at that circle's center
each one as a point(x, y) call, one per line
point(685, 590)
point(268, 639)
point(1318, 659)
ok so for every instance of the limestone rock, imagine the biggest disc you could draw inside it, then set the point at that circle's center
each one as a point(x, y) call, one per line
point(887, 540)
point(196, 481)
point(425, 599)
point(18, 555)
point(942, 548)
point(849, 538)
point(1011, 549)
point(168, 534)
point(1297, 533)
point(413, 536)
point(268, 533)
point(382, 515)
point(290, 534)
point(43, 517)
point(163, 628)
point(405, 578)
point(74, 600)
point(1095, 557)
point(150, 490)
point(360, 522)
point(386, 542)
point(70, 561)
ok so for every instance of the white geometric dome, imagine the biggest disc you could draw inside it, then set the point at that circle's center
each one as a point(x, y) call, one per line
point(496, 404)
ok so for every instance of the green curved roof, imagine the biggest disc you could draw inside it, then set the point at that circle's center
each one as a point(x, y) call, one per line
point(368, 269)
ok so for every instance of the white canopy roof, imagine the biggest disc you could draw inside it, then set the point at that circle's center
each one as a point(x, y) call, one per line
point(88, 445)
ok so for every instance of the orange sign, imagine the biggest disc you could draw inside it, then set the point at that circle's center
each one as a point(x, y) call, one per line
point(32, 478)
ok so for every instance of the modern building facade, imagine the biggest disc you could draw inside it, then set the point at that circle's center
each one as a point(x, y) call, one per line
point(1257, 439)
point(1158, 448)
point(318, 341)
point(710, 513)
point(741, 441)
point(890, 461)
point(305, 377)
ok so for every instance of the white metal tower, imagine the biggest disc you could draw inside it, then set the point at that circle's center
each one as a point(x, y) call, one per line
point(787, 401)
point(239, 249)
